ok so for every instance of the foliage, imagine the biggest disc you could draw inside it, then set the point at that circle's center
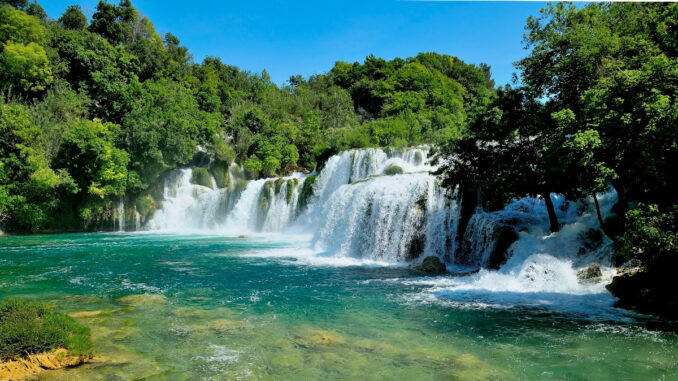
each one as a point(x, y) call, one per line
point(25, 66)
point(73, 18)
point(30, 328)
point(393, 170)
point(651, 235)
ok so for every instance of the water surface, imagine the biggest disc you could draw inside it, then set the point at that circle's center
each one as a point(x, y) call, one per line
point(218, 308)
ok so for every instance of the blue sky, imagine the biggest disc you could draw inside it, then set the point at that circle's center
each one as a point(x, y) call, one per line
point(307, 37)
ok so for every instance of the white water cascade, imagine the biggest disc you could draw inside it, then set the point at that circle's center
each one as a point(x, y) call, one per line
point(121, 215)
point(353, 209)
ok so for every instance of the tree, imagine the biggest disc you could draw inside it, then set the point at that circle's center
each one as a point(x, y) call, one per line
point(34, 9)
point(115, 23)
point(73, 18)
point(18, 27)
point(25, 67)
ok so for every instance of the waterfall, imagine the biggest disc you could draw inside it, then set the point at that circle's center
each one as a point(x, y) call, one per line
point(360, 206)
point(121, 215)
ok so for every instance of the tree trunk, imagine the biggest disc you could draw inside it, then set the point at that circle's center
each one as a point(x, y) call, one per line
point(553, 218)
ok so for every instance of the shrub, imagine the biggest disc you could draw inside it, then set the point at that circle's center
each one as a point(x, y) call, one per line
point(651, 235)
point(29, 327)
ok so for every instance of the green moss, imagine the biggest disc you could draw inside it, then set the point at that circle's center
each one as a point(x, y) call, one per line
point(306, 192)
point(393, 170)
point(291, 184)
point(278, 185)
point(219, 170)
point(29, 327)
point(200, 176)
point(418, 158)
point(146, 207)
point(240, 185)
point(265, 196)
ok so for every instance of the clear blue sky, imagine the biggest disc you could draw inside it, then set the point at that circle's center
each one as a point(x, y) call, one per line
point(307, 37)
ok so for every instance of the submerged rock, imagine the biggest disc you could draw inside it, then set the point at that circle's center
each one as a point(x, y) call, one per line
point(319, 338)
point(591, 274)
point(144, 300)
point(431, 264)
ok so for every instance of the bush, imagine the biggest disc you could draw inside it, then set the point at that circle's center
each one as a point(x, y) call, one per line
point(29, 328)
point(200, 176)
point(393, 170)
point(651, 235)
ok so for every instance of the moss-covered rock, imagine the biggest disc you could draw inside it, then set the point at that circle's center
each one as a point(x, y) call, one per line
point(393, 170)
point(240, 185)
point(306, 192)
point(201, 176)
point(219, 170)
point(431, 264)
point(291, 185)
point(591, 274)
point(146, 207)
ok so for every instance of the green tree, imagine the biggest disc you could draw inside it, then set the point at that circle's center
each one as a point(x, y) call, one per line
point(73, 18)
point(19, 27)
point(25, 67)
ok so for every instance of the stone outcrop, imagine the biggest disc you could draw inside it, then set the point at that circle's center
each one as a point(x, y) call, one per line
point(30, 367)
point(591, 274)
point(431, 264)
point(487, 240)
point(649, 292)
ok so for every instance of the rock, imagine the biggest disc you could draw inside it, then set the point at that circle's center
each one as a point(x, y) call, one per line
point(647, 291)
point(144, 300)
point(30, 367)
point(592, 239)
point(393, 170)
point(242, 236)
point(591, 274)
point(487, 240)
point(431, 264)
point(319, 338)
point(220, 171)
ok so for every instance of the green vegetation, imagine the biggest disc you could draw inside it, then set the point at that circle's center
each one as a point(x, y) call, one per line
point(92, 112)
point(393, 170)
point(598, 107)
point(29, 328)
point(200, 176)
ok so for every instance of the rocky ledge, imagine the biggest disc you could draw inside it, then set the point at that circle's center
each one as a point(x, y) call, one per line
point(646, 291)
point(31, 366)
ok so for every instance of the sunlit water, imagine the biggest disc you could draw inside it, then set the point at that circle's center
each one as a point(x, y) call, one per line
point(260, 308)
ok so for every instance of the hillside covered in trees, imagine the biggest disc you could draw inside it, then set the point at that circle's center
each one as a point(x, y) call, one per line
point(93, 110)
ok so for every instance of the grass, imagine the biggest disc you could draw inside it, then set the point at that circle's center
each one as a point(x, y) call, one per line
point(28, 328)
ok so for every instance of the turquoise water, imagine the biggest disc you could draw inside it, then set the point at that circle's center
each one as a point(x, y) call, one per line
point(216, 308)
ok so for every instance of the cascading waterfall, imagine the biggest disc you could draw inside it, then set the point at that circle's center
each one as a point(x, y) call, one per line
point(357, 211)
point(121, 215)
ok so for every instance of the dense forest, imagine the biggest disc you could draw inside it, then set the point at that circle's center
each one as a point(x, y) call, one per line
point(93, 110)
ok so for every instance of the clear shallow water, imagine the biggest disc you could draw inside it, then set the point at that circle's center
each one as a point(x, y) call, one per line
point(260, 308)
